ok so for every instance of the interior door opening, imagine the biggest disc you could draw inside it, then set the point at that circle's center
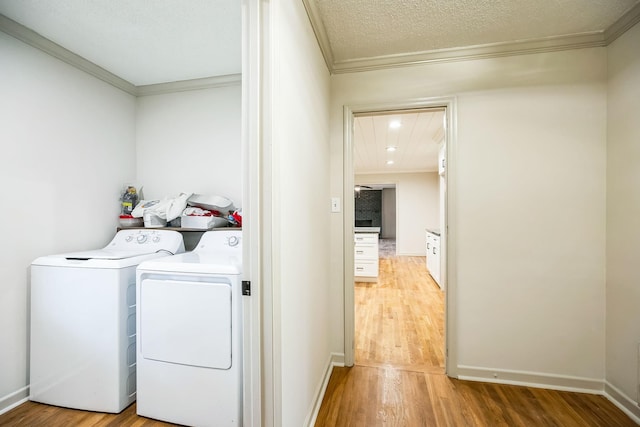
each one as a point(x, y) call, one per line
point(398, 317)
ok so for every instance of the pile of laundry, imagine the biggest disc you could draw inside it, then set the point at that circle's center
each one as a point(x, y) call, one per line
point(188, 210)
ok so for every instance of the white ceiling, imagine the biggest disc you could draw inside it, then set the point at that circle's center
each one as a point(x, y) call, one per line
point(417, 142)
point(156, 41)
point(142, 42)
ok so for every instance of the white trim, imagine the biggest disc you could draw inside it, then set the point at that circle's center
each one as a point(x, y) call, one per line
point(531, 379)
point(622, 401)
point(185, 85)
point(348, 257)
point(13, 400)
point(493, 50)
point(320, 32)
point(626, 21)
point(553, 382)
point(271, 303)
point(404, 171)
point(251, 205)
point(45, 45)
point(35, 40)
point(335, 359)
point(449, 103)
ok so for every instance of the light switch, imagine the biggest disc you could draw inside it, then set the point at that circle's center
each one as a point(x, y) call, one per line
point(335, 204)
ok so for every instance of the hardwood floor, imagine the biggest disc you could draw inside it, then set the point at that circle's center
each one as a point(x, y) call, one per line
point(364, 396)
point(400, 319)
point(399, 375)
point(33, 414)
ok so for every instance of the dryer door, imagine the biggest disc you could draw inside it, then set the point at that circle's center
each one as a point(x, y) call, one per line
point(186, 322)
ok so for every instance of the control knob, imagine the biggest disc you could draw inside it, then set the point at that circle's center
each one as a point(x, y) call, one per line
point(141, 238)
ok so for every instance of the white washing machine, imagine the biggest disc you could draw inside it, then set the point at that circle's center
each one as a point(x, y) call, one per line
point(190, 334)
point(83, 321)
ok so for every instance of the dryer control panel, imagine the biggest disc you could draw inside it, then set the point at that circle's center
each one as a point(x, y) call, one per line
point(221, 241)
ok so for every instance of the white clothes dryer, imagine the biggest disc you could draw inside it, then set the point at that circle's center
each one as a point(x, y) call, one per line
point(83, 321)
point(190, 334)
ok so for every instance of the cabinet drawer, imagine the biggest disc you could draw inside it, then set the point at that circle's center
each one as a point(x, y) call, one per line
point(366, 269)
point(363, 251)
point(365, 238)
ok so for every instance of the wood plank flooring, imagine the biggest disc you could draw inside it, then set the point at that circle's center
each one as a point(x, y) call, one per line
point(400, 318)
point(33, 414)
point(399, 375)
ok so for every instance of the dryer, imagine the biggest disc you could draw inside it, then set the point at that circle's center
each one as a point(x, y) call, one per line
point(190, 334)
point(83, 321)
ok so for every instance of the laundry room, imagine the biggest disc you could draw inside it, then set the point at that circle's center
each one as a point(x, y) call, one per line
point(83, 116)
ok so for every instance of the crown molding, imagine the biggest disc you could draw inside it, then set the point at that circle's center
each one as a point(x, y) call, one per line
point(626, 21)
point(34, 39)
point(493, 50)
point(194, 84)
point(320, 31)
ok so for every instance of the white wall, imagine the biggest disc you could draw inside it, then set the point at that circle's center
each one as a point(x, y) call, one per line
point(530, 204)
point(300, 145)
point(67, 148)
point(623, 218)
point(417, 203)
point(189, 142)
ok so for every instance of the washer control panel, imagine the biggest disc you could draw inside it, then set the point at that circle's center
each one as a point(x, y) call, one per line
point(147, 240)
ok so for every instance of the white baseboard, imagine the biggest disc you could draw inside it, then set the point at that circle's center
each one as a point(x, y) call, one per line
point(14, 399)
point(335, 359)
point(622, 401)
point(531, 379)
point(554, 382)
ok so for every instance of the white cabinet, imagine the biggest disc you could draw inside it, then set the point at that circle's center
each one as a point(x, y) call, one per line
point(366, 256)
point(433, 256)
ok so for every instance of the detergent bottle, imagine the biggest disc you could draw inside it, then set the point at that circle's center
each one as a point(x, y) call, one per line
point(129, 200)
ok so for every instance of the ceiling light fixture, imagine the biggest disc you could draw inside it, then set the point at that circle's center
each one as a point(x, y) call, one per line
point(389, 162)
point(394, 124)
point(391, 148)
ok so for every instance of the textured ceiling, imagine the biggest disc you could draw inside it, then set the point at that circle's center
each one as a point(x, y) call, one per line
point(143, 42)
point(358, 29)
point(417, 141)
point(156, 41)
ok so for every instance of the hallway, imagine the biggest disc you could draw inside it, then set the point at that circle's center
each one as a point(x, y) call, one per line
point(400, 318)
point(398, 379)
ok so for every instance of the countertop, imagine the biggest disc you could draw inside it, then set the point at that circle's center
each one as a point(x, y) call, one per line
point(435, 231)
point(367, 230)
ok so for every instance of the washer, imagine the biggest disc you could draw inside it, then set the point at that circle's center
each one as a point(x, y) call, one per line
point(83, 321)
point(190, 334)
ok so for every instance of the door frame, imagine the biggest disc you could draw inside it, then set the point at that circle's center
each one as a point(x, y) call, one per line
point(448, 229)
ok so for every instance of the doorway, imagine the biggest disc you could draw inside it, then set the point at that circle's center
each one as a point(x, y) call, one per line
point(352, 164)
